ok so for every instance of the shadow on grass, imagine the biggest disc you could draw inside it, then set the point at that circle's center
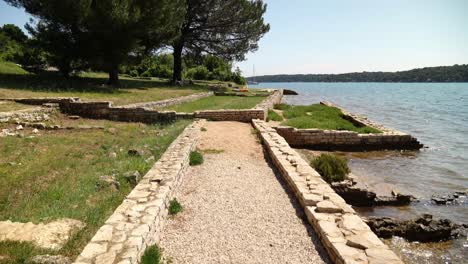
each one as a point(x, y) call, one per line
point(54, 82)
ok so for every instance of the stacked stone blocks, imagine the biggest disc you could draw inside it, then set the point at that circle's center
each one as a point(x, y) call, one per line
point(138, 221)
point(343, 233)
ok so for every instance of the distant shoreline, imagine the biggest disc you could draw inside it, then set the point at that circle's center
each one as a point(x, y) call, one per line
point(442, 74)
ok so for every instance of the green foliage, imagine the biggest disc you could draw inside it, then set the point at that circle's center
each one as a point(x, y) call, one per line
point(152, 255)
point(11, 68)
point(273, 116)
point(331, 167)
point(198, 73)
point(226, 28)
point(282, 106)
point(103, 33)
point(175, 207)
point(196, 158)
point(455, 73)
point(322, 117)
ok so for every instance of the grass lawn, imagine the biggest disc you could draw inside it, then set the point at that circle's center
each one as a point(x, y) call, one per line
point(6, 106)
point(54, 175)
point(218, 102)
point(11, 68)
point(87, 86)
point(320, 116)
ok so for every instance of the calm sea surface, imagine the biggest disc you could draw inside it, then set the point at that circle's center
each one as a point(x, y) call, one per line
point(437, 115)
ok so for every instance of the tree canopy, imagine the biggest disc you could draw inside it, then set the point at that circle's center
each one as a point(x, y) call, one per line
point(102, 33)
point(225, 28)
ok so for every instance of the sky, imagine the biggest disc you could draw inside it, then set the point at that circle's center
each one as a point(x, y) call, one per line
point(337, 36)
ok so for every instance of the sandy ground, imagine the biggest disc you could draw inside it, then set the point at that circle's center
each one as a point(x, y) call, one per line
point(236, 209)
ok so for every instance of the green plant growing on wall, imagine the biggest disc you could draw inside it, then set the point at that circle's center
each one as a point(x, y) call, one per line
point(196, 158)
point(331, 167)
point(152, 255)
point(175, 207)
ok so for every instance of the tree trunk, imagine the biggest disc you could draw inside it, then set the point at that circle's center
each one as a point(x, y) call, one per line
point(114, 77)
point(177, 74)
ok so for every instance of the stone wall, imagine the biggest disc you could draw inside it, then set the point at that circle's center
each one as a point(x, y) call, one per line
point(171, 101)
point(44, 100)
point(345, 236)
point(271, 101)
point(138, 221)
point(348, 140)
point(105, 110)
point(260, 111)
point(231, 115)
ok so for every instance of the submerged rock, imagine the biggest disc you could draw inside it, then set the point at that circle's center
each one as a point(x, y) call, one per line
point(359, 194)
point(456, 198)
point(423, 229)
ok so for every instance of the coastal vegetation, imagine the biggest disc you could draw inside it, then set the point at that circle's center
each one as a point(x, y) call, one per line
point(74, 173)
point(455, 73)
point(321, 117)
point(152, 255)
point(218, 102)
point(175, 207)
point(273, 116)
point(332, 168)
point(126, 36)
point(196, 158)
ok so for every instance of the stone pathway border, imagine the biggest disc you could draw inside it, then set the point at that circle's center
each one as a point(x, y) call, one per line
point(346, 237)
point(138, 221)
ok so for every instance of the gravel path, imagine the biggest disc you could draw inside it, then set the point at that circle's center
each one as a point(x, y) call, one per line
point(236, 210)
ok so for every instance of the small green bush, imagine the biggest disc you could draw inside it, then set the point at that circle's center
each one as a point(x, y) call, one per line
point(282, 106)
point(273, 116)
point(196, 158)
point(331, 167)
point(175, 207)
point(152, 255)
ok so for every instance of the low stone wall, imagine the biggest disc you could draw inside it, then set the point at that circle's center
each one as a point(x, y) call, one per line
point(171, 101)
point(44, 100)
point(260, 111)
point(34, 114)
point(138, 221)
point(104, 110)
point(345, 236)
point(346, 140)
point(320, 139)
point(231, 115)
point(271, 101)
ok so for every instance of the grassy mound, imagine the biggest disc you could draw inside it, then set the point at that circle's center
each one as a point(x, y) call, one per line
point(11, 68)
point(322, 117)
point(331, 167)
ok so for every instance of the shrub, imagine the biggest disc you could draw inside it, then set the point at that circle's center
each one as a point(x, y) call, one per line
point(272, 115)
point(152, 255)
point(198, 73)
point(175, 207)
point(196, 158)
point(282, 106)
point(331, 167)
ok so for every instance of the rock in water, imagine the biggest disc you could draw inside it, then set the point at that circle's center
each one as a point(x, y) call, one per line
point(423, 229)
point(289, 92)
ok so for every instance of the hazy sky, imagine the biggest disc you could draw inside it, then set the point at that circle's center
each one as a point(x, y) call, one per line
point(335, 36)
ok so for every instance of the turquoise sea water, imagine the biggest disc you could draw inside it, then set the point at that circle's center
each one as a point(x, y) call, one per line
point(436, 114)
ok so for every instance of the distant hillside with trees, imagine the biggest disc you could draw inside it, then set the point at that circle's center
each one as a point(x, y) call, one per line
point(455, 73)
